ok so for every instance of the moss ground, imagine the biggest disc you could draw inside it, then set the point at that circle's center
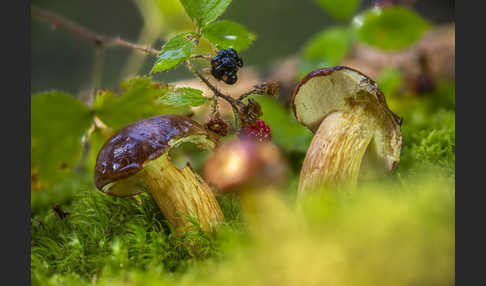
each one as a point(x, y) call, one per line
point(399, 231)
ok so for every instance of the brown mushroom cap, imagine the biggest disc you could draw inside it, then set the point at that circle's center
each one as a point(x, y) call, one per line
point(341, 88)
point(244, 164)
point(332, 89)
point(125, 153)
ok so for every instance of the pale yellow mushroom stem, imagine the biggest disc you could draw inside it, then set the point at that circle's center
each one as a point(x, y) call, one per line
point(334, 156)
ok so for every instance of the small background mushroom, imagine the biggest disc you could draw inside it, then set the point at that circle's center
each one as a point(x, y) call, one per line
point(254, 172)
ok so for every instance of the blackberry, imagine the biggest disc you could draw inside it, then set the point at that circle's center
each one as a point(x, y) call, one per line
point(225, 65)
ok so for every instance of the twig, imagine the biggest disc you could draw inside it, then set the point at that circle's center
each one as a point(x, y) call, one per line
point(206, 57)
point(82, 32)
point(101, 41)
point(269, 88)
point(215, 110)
point(97, 72)
point(253, 91)
point(236, 105)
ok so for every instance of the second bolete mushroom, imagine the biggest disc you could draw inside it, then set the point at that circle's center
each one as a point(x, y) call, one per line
point(351, 123)
point(136, 159)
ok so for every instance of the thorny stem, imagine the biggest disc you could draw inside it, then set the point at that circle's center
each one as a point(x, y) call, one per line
point(206, 57)
point(82, 32)
point(102, 41)
point(253, 91)
point(215, 106)
point(235, 104)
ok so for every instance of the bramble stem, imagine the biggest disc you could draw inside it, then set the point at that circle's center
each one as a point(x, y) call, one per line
point(84, 33)
point(101, 41)
point(236, 105)
point(206, 57)
point(215, 106)
point(253, 91)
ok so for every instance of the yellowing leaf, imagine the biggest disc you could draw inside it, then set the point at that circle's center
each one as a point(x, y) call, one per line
point(137, 101)
point(58, 123)
point(183, 97)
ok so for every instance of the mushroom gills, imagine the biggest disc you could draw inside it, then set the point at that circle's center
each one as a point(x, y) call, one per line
point(334, 157)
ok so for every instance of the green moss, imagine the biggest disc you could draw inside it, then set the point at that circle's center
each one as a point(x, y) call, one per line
point(103, 231)
point(373, 237)
point(403, 225)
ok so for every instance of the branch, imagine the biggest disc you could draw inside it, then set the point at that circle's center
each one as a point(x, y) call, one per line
point(236, 105)
point(84, 33)
point(106, 41)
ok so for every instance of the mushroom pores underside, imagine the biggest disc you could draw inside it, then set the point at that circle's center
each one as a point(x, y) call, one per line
point(353, 128)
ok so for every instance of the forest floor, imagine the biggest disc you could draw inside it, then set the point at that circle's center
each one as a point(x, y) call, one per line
point(398, 231)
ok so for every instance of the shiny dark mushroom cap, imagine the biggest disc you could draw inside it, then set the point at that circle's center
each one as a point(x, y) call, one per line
point(125, 153)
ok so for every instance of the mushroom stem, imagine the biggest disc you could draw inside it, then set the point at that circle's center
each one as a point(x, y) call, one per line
point(181, 192)
point(334, 156)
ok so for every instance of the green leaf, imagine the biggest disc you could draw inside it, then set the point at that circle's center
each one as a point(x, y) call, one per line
point(183, 97)
point(331, 45)
point(227, 34)
point(174, 51)
point(391, 28)
point(58, 123)
point(204, 11)
point(340, 9)
point(138, 101)
point(286, 131)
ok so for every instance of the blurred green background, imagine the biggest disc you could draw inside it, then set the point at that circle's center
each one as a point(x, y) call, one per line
point(62, 61)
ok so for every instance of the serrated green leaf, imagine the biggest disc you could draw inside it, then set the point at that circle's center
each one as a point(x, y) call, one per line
point(286, 131)
point(340, 9)
point(204, 11)
point(330, 45)
point(58, 123)
point(136, 102)
point(183, 97)
point(391, 28)
point(174, 51)
point(227, 34)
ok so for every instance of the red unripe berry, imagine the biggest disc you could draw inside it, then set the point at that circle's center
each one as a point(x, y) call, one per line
point(259, 132)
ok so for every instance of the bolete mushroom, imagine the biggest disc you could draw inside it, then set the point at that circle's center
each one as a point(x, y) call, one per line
point(351, 123)
point(136, 159)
